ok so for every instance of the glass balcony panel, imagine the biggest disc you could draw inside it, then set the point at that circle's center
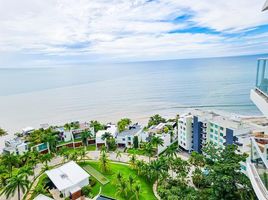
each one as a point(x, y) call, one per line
point(262, 76)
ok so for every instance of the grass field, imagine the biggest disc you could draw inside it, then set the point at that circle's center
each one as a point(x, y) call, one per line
point(136, 151)
point(96, 174)
point(110, 188)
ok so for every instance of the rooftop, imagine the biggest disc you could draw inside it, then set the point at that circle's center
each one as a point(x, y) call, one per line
point(131, 131)
point(67, 175)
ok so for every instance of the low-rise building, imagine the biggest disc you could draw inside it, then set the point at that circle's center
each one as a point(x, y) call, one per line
point(110, 128)
point(15, 146)
point(69, 179)
point(125, 138)
point(166, 142)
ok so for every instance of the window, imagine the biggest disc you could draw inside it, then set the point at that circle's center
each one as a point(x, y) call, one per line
point(221, 134)
point(215, 137)
point(221, 140)
point(123, 139)
point(129, 138)
point(221, 128)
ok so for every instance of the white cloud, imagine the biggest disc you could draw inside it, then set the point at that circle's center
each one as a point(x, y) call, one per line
point(129, 29)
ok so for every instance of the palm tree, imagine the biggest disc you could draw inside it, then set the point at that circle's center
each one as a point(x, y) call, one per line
point(149, 151)
point(10, 160)
point(4, 174)
point(171, 151)
point(82, 153)
point(104, 162)
point(156, 140)
point(74, 155)
point(118, 154)
point(85, 135)
point(40, 189)
point(122, 188)
point(119, 177)
point(106, 136)
point(26, 170)
point(132, 161)
point(51, 139)
point(139, 166)
point(137, 191)
point(131, 182)
point(67, 126)
point(157, 167)
point(19, 183)
point(45, 158)
point(2, 132)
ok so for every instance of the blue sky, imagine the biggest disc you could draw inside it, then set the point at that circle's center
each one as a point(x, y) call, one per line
point(38, 32)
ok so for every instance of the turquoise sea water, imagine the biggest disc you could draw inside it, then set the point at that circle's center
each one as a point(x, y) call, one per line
point(55, 94)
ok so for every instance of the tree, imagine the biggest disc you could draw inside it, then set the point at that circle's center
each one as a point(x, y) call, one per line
point(132, 161)
point(118, 155)
point(45, 158)
point(131, 182)
point(67, 126)
point(139, 166)
point(82, 153)
point(26, 170)
point(224, 174)
point(156, 141)
point(10, 160)
point(155, 120)
point(197, 159)
point(104, 162)
point(137, 191)
point(16, 183)
point(149, 151)
point(171, 151)
point(119, 177)
point(51, 139)
point(123, 124)
point(2, 132)
point(122, 188)
point(111, 144)
point(85, 135)
point(158, 167)
point(135, 142)
point(199, 178)
point(97, 126)
point(106, 136)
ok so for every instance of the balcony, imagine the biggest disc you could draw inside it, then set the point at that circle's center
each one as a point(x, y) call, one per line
point(259, 95)
point(257, 170)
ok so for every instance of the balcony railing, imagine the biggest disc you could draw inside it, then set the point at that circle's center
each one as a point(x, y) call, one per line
point(262, 76)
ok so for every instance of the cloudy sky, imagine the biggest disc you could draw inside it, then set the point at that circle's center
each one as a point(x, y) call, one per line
point(40, 32)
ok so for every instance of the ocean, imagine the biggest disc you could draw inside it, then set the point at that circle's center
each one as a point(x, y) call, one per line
point(107, 92)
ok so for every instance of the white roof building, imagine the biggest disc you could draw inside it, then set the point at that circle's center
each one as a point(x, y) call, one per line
point(68, 178)
point(42, 197)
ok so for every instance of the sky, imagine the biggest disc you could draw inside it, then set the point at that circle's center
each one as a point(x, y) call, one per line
point(45, 32)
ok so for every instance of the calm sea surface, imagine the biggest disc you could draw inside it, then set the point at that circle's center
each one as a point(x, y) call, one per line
point(32, 96)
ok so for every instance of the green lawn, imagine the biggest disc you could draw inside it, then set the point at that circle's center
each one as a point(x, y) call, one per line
point(96, 174)
point(110, 188)
point(136, 151)
point(91, 147)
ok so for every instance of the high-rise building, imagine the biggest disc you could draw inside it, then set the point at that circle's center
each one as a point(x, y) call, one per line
point(257, 167)
point(265, 6)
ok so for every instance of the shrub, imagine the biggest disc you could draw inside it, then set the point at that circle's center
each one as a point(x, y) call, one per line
point(92, 182)
point(86, 190)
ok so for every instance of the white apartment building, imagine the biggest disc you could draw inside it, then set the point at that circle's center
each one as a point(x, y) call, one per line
point(185, 131)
